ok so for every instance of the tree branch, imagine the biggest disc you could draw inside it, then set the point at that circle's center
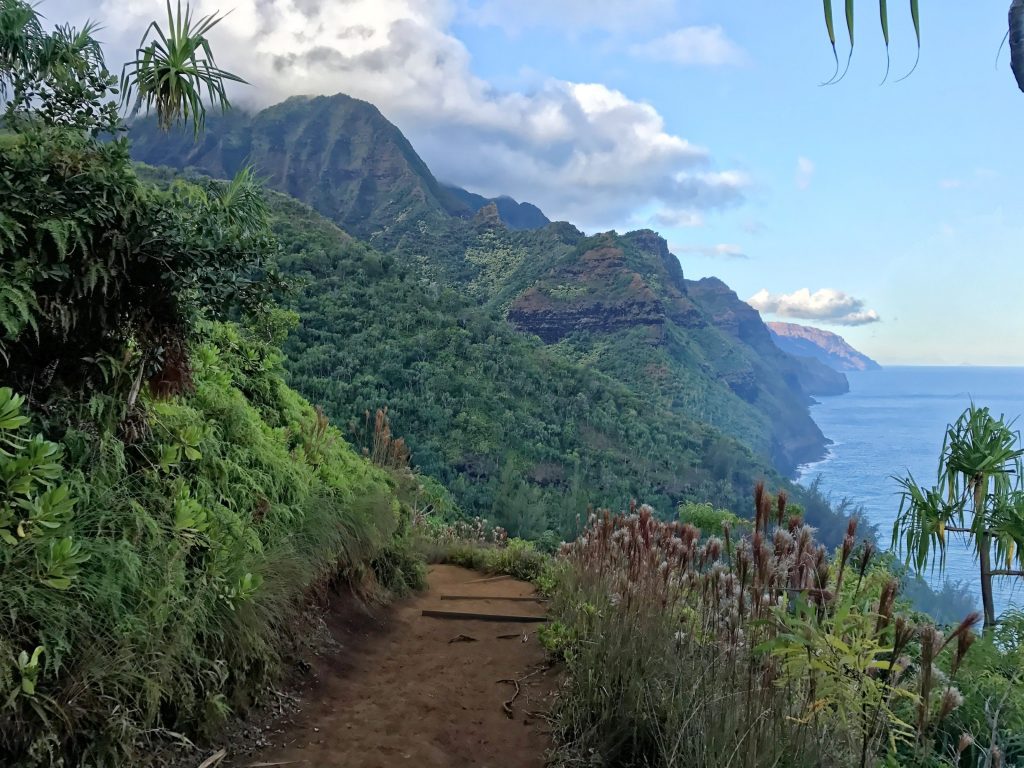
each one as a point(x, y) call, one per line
point(1007, 573)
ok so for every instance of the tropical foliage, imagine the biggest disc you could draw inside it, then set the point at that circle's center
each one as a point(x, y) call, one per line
point(979, 493)
point(174, 72)
point(1015, 35)
point(167, 503)
point(516, 431)
point(151, 586)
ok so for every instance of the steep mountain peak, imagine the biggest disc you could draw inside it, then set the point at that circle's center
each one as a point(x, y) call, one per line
point(825, 346)
point(336, 153)
point(731, 314)
point(515, 215)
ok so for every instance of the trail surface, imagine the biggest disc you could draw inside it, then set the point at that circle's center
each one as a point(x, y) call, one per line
point(404, 689)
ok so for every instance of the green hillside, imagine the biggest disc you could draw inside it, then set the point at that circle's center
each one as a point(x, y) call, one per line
point(517, 431)
point(528, 365)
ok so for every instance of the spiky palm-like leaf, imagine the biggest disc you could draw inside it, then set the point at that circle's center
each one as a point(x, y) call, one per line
point(20, 33)
point(174, 70)
point(1015, 35)
point(979, 492)
point(883, 13)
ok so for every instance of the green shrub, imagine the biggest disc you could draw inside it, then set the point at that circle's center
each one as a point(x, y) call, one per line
point(151, 585)
point(477, 546)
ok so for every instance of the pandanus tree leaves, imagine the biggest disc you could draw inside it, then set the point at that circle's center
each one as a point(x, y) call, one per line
point(174, 70)
point(883, 15)
point(1015, 36)
point(884, 19)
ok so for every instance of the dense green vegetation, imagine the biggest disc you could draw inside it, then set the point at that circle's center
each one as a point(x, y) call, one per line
point(472, 396)
point(151, 584)
point(517, 432)
point(167, 503)
point(642, 384)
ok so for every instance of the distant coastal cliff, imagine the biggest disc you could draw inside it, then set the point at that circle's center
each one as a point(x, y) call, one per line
point(824, 346)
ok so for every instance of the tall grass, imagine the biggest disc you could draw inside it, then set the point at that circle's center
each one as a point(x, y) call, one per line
point(763, 651)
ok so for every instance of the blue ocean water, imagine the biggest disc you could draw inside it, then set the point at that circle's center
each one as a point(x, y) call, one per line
point(893, 421)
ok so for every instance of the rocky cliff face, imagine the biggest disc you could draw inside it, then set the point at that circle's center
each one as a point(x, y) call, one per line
point(623, 304)
point(824, 346)
point(602, 290)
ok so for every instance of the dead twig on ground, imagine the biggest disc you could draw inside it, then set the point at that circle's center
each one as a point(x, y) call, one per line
point(507, 705)
point(462, 639)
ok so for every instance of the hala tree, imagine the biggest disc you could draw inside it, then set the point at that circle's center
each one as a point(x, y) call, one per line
point(103, 279)
point(1015, 34)
point(979, 494)
point(174, 67)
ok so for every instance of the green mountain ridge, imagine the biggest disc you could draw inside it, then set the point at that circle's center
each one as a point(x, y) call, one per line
point(337, 153)
point(622, 304)
point(513, 214)
point(608, 380)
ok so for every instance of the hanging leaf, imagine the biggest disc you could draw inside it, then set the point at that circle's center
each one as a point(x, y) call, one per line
point(883, 12)
point(915, 15)
point(831, 27)
point(849, 30)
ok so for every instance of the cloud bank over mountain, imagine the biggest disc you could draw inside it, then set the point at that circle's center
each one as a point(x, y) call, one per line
point(582, 151)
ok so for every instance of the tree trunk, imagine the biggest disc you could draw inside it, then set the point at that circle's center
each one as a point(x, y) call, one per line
point(985, 558)
point(1016, 36)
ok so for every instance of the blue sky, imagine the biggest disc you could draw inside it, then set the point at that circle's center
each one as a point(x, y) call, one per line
point(915, 201)
point(704, 120)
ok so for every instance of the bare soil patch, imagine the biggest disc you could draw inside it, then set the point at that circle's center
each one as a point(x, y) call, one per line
point(403, 689)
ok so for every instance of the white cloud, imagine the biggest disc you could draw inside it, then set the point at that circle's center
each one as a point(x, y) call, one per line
point(581, 151)
point(720, 251)
point(826, 304)
point(693, 46)
point(804, 172)
point(682, 217)
point(514, 16)
point(950, 183)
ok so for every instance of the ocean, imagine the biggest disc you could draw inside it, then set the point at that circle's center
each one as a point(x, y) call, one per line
point(892, 422)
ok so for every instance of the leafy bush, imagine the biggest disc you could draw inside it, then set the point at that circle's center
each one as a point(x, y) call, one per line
point(103, 278)
point(150, 587)
point(476, 545)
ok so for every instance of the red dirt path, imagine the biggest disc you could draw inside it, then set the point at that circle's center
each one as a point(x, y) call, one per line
point(398, 693)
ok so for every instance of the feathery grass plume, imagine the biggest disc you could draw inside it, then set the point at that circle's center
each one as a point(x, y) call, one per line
point(679, 653)
point(931, 640)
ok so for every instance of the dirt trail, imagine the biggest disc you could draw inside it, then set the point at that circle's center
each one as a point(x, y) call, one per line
point(399, 693)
